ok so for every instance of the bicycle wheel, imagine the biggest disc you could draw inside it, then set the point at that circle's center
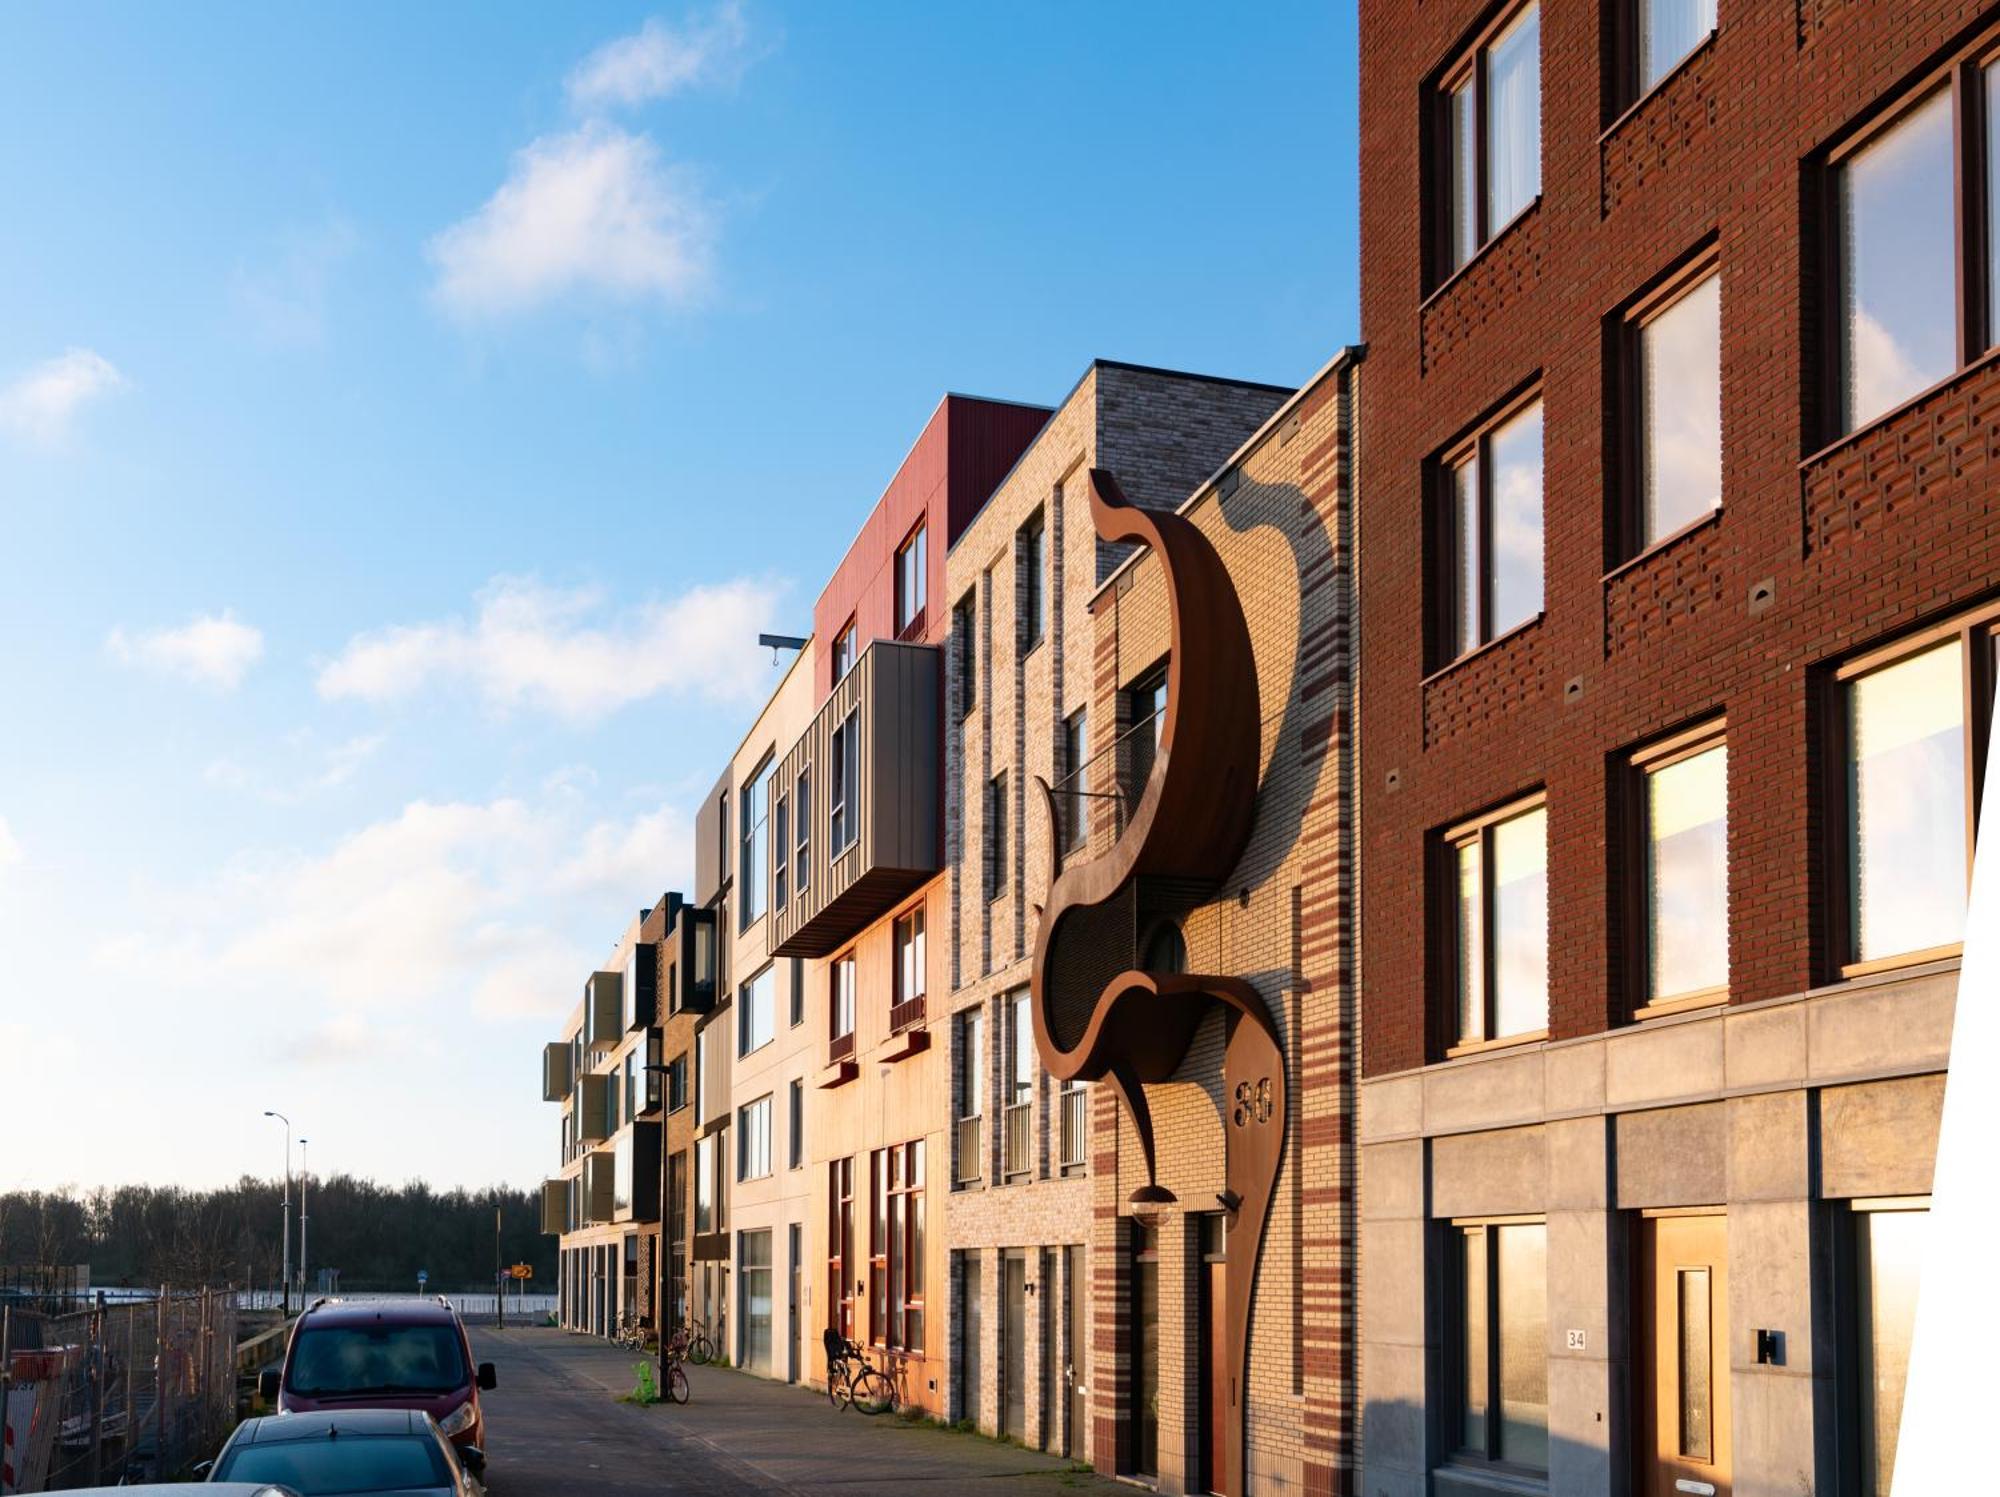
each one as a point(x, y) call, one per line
point(873, 1392)
point(837, 1390)
point(677, 1383)
point(700, 1350)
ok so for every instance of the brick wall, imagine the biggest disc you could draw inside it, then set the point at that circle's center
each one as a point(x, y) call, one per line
point(1892, 527)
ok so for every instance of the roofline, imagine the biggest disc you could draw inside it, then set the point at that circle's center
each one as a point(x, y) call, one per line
point(1349, 355)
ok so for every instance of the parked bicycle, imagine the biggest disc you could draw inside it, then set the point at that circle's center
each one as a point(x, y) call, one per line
point(851, 1381)
point(700, 1348)
point(673, 1369)
point(631, 1332)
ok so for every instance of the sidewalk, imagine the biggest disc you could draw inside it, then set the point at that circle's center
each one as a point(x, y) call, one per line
point(558, 1399)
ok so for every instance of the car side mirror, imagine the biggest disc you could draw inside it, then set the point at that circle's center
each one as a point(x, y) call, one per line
point(487, 1377)
point(202, 1468)
point(267, 1385)
point(473, 1459)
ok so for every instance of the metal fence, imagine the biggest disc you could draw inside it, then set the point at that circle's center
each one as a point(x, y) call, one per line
point(132, 1391)
point(1017, 1142)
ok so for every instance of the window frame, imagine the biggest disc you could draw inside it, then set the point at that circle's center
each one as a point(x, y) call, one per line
point(1468, 67)
point(1852, 1398)
point(995, 831)
point(1976, 319)
point(781, 852)
point(1453, 1451)
point(802, 832)
point(965, 642)
point(1977, 631)
point(843, 815)
point(1629, 90)
point(846, 649)
point(753, 820)
point(1626, 532)
point(896, 1242)
point(1635, 837)
point(1444, 915)
point(841, 996)
point(746, 1136)
point(746, 1010)
point(1031, 558)
point(913, 946)
point(795, 1124)
point(910, 620)
point(1074, 735)
point(1475, 446)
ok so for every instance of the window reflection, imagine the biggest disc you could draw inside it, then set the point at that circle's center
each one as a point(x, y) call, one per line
point(1889, 1248)
point(1681, 425)
point(1687, 875)
point(1668, 31)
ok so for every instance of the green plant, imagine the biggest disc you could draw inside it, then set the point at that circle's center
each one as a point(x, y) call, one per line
point(647, 1390)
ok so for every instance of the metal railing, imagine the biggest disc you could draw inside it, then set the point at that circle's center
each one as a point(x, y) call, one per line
point(840, 1047)
point(1017, 1143)
point(1073, 1128)
point(902, 1015)
point(971, 1150)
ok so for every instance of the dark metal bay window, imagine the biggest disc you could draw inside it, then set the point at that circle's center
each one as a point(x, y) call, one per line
point(1683, 806)
point(912, 584)
point(1674, 406)
point(1909, 723)
point(1490, 580)
point(1490, 129)
point(1913, 252)
point(1496, 935)
point(1498, 1325)
point(896, 1247)
point(1033, 593)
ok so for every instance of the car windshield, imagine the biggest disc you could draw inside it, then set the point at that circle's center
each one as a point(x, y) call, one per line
point(363, 1359)
point(341, 1463)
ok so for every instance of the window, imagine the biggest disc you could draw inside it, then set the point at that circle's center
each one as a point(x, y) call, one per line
point(677, 1082)
point(1683, 804)
point(795, 1120)
point(840, 1246)
point(843, 651)
point(757, 1012)
point(1911, 760)
point(896, 1247)
point(1499, 1330)
point(802, 859)
point(1886, 1248)
point(1914, 256)
point(1675, 412)
point(1032, 557)
point(971, 1063)
point(653, 1057)
point(1666, 32)
point(965, 652)
point(996, 836)
point(631, 1091)
point(1492, 146)
point(844, 813)
point(707, 1207)
point(756, 833)
point(1146, 712)
point(912, 584)
point(911, 967)
point(1492, 519)
point(842, 976)
point(711, 1060)
point(753, 1251)
point(1018, 1084)
point(1498, 940)
point(798, 986)
point(1076, 782)
point(753, 1140)
point(781, 853)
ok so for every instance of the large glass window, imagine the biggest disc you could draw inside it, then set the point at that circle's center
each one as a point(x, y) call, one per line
point(1685, 807)
point(753, 1140)
point(707, 1206)
point(757, 1011)
point(912, 583)
point(1032, 591)
point(1493, 522)
point(1492, 147)
point(753, 1261)
point(1679, 416)
point(1500, 1347)
point(1888, 1251)
point(840, 1246)
point(1498, 971)
point(911, 962)
point(781, 853)
point(1668, 30)
point(756, 832)
point(896, 1247)
point(1907, 829)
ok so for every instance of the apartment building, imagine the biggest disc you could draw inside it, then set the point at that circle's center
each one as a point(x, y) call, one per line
point(683, 939)
point(604, 1202)
point(1677, 579)
point(1028, 1261)
point(855, 890)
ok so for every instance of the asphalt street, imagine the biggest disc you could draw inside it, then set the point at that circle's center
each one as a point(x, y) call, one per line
point(555, 1426)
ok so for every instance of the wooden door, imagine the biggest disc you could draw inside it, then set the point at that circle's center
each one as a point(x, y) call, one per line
point(1683, 1304)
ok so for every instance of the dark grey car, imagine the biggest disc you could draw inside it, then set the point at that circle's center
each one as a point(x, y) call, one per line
point(379, 1452)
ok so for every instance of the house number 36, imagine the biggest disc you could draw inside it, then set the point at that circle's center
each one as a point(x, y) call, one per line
point(1253, 1103)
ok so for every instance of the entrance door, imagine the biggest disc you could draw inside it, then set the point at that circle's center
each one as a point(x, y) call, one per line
point(1215, 1405)
point(1683, 1293)
point(1145, 1343)
point(969, 1296)
point(1076, 1429)
point(1014, 1344)
point(794, 1248)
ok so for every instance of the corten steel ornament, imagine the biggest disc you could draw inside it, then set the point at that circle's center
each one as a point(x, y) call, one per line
point(1099, 1015)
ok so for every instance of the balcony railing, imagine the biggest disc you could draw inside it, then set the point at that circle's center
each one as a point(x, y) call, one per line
point(1073, 1129)
point(840, 1048)
point(1017, 1143)
point(903, 1015)
point(971, 1151)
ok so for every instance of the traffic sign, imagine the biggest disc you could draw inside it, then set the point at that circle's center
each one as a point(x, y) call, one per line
point(423, 1278)
point(522, 1271)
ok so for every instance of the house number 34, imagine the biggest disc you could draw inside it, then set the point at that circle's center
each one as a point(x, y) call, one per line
point(1253, 1103)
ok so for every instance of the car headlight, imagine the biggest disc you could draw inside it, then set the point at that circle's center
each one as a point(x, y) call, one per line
point(459, 1419)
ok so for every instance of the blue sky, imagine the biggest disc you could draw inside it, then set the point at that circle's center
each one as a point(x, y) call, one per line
point(410, 414)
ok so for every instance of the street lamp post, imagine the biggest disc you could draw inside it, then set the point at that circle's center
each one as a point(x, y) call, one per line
point(285, 1293)
point(305, 1179)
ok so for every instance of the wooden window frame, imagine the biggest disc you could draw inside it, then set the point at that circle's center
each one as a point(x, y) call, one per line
point(1476, 447)
point(1625, 530)
point(1635, 840)
point(1444, 919)
point(913, 917)
point(840, 1244)
point(1976, 323)
point(1467, 67)
point(894, 1172)
point(1625, 92)
point(1977, 631)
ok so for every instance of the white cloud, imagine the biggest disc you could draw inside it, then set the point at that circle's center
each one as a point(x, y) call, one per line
point(595, 212)
point(658, 59)
point(312, 770)
point(285, 299)
point(10, 847)
point(210, 650)
point(622, 856)
point(550, 649)
point(41, 403)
